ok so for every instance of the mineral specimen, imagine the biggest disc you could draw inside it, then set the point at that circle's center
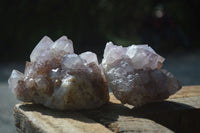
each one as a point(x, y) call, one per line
point(135, 76)
point(60, 79)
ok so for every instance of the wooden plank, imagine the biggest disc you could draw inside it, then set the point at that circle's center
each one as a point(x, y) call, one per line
point(179, 113)
point(187, 91)
point(31, 118)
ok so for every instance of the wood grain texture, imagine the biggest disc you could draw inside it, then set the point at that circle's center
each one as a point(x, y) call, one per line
point(179, 113)
point(187, 91)
point(31, 118)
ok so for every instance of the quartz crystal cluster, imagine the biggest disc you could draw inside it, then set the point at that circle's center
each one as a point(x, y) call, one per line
point(135, 76)
point(58, 78)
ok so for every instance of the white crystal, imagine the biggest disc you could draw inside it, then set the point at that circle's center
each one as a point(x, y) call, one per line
point(43, 46)
point(63, 44)
point(48, 51)
point(72, 62)
point(143, 57)
point(135, 75)
point(113, 52)
point(13, 80)
point(89, 57)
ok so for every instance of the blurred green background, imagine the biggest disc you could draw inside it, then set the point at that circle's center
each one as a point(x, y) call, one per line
point(166, 25)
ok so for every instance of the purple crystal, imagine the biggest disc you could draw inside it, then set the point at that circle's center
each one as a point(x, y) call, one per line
point(60, 79)
point(135, 76)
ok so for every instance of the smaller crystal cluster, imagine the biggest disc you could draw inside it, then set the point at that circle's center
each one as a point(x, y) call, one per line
point(58, 78)
point(135, 76)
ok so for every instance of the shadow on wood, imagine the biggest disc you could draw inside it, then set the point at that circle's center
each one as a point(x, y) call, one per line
point(174, 116)
point(178, 117)
point(53, 113)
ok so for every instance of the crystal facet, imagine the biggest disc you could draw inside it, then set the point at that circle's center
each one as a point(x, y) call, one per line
point(43, 46)
point(60, 79)
point(89, 57)
point(135, 76)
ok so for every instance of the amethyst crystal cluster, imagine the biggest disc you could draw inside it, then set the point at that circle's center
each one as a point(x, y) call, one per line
point(135, 76)
point(58, 78)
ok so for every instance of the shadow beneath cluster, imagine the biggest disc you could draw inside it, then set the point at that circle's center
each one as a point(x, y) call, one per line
point(180, 118)
point(174, 116)
point(55, 113)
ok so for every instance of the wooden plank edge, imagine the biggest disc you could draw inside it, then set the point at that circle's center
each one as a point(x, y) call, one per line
point(33, 121)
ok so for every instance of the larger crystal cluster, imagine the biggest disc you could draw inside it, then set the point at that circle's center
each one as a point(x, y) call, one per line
point(135, 76)
point(60, 79)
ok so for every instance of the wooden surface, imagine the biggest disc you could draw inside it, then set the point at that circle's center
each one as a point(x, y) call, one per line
point(179, 113)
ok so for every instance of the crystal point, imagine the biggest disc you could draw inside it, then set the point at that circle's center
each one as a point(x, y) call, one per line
point(13, 80)
point(43, 45)
point(89, 57)
point(63, 43)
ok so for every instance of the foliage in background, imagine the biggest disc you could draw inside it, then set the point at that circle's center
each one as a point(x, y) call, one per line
point(89, 23)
